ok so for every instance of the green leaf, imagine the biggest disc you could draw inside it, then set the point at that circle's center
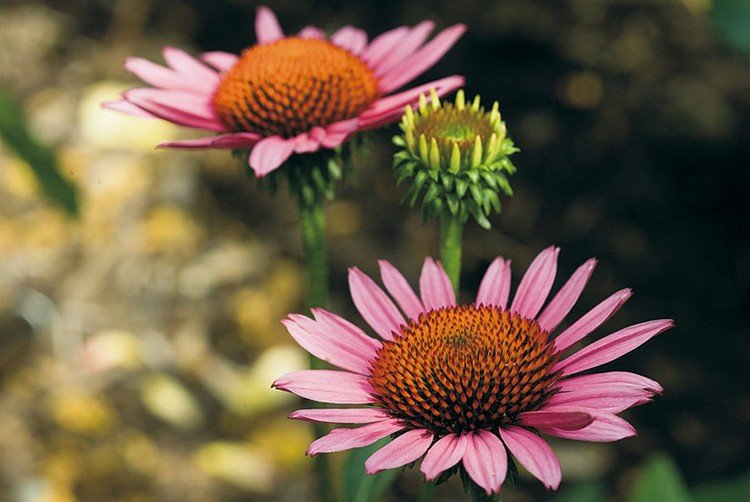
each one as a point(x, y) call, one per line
point(659, 480)
point(15, 133)
point(583, 492)
point(732, 20)
point(359, 487)
point(737, 489)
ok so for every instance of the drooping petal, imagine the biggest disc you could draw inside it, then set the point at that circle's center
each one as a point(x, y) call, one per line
point(403, 450)
point(177, 107)
point(220, 60)
point(350, 38)
point(128, 108)
point(534, 453)
point(341, 348)
point(385, 53)
point(267, 27)
point(568, 419)
point(327, 386)
point(495, 286)
point(536, 284)
point(422, 59)
point(191, 68)
point(605, 427)
point(338, 132)
point(591, 320)
point(444, 454)
point(390, 108)
point(486, 460)
point(269, 153)
point(566, 298)
point(435, 286)
point(374, 305)
point(612, 346)
point(341, 415)
point(610, 378)
point(613, 399)
point(229, 140)
point(159, 76)
point(345, 439)
point(398, 287)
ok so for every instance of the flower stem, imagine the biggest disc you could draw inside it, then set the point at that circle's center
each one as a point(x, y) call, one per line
point(451, 230)
point(312, 226)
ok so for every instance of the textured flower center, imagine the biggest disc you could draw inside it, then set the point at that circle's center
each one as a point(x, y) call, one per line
point(458, 369)
point(292, 85)
point(448, 124)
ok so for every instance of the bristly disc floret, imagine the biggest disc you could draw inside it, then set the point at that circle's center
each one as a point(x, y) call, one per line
point(457, 155)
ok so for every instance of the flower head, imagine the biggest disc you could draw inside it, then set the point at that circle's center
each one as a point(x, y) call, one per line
point(457, 155)
point(289, 94)
point(472, 383)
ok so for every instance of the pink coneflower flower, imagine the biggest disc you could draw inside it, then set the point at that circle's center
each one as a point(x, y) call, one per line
point(469, 383)
point(289, 94)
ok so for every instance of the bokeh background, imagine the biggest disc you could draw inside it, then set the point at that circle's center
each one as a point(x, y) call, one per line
point(139, 338)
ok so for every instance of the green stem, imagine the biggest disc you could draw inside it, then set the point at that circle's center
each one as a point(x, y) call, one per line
point(313, 229)
point(451, 230)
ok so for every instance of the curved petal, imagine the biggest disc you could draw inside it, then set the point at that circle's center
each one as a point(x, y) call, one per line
point(561, 418)
point(495, 286)
point(611, 398)
point(345, 439)
point(350, 38)
point(339, 347)
point(404, 47)
point(382, 45)
point(435, 286)
point(421, 60)
point(591, 320)
point(178, 107)
point(128, 108)
point(267, 27)
point(233, 140)
point(444, 454)
point(398, 287)
point(338, 132)
point(269, 153)
point(374, 305)
point(612, 346)
point(338, 324)
point(534, 453)
point(391, 108)
point(403, 450)
point(486, 460)
point(220, 60)
point(342, 415)
point(610, 378)
point(605, 427)
point(327, 386)
point(536, 284)
point(159, 76)
point(311, 32)
point(563, 301)
point(190, 67)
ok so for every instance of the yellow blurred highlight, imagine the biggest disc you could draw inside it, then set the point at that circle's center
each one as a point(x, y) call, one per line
point(168, 399)
point(168, 229)
point(583, 90)
point(284, 442)
point(344, 218)
point(111, 349)
point(240, 464)
point(77, 411)
point(18, 179)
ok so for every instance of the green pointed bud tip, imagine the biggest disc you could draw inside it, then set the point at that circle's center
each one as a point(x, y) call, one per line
point(434, 99)
point(455, 163)
point(409, 114)
point(409, 137)
point(475, 104)
point(496, 107)
point(460, 100)
point(476, 153)
point(423, 151)
point(434, 154)
point(422, 104)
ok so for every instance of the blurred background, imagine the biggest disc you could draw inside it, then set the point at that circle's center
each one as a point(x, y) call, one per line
point(141, 290)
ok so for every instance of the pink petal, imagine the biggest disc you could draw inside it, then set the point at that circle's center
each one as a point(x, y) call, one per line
point(374, 305)
point(391, 108)
point(534, 453)
point(341, 416)
point(568, 419)
point(592, 320)
point(495, 286)
point(610, 398)
point(345, 439)
point(563, 301)
point(536, 284)
point(269, 153)
point(191, 68)
point(612, 346)
point(605, 428)
point(306, 142)
point(486, 460)
point(351, 39)
point(611, 378)
point(159, 76)
point(421, 60)
point(176, 106)
point(338, 132)
point(398, 287)
point(311, 32)
point(267, 27)
point(382, 45)
point(341, 348)
point(444, 454)
point(338, 324)
point(327, 386)
point(233, 140)
point(220, 60)
point(129, 108)
point(435, 286)
point(403, 450)
point(404, 47)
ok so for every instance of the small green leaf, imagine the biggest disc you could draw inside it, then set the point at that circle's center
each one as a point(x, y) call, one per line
point(660, 480)
point(359, 487)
